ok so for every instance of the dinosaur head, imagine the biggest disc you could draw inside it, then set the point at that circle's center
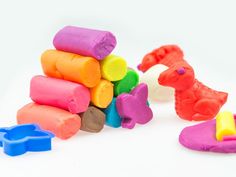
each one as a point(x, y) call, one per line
point(147, 62)
point(180, 77)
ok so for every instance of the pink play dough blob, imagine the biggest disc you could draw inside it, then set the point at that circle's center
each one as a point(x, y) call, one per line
point(201, 137)
point(133, 108)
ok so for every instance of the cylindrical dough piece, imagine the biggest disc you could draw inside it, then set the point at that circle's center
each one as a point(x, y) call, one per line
point(225, 125)
point(113, 119)
point(92, 120)
point(59, 93)
point(157, 92)
point(83, 41)
point(126, 84)
point(113, 68)
point(60, 122)
point(102, 94)
point(72, 67)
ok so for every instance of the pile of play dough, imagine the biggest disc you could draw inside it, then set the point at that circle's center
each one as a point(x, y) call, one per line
point(85, 86)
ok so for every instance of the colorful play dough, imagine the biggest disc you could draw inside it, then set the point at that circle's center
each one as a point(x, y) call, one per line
point(63, 94)
point(113, 68)
point(85, 86)
point(157, 92)
point(72, 67)
point(133, 107)
point(102, 94)
point(60, 122)
point(201, 137)
point(92, 120)
point(225, 125)
point(83, 41)
point(112, 117)
point(125, 85)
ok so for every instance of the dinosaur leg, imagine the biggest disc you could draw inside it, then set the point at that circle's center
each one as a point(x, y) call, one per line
point(206, 109)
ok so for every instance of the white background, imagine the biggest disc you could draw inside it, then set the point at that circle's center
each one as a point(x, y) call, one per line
point(205, 30)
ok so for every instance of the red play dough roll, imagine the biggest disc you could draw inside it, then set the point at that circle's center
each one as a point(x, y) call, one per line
point(60, 122)
point(63, 94)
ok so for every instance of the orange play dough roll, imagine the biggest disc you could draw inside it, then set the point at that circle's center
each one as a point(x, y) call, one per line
point(72, 67)
point(60, 122)
point(102, 94)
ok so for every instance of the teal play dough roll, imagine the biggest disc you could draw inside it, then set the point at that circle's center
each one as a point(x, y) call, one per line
point(125, 85)
point(112, 117)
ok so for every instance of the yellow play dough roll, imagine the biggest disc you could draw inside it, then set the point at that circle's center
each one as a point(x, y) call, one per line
point(113, 68)
point(225, 125)
point(102, 94)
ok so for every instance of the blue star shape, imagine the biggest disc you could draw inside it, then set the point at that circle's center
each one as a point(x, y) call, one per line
point(19, 139)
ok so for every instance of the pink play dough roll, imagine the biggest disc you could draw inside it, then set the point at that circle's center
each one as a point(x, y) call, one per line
point(60, 122)
point(84, 41)
point(63, 94)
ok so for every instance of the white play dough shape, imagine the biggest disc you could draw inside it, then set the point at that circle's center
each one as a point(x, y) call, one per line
point(156, 92)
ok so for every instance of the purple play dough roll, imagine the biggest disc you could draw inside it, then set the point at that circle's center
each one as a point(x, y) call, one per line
point(86, 42)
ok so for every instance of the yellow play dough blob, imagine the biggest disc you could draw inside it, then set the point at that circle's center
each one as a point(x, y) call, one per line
point(225, 125)
point(113, 68)
point(102, 94)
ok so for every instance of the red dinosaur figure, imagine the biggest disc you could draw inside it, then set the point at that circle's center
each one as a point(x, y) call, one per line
point(193, 100)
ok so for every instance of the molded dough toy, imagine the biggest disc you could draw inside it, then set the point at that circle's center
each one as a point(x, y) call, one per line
point(83, 41)
point(112, 117)
point(202, 137)
point(157, 92)
point(225, 125)
point(125, 85)
point(92, 120)
point(166, 55)
point(133, 107)
point(59, 93)
point(60, 122)
point(113, 68)
point(193, 100)
point(102, 94)
point(19, 139)
point(72, 67)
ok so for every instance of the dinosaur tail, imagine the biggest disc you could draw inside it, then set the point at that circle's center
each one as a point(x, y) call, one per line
point(166, 55)
point(223, 96)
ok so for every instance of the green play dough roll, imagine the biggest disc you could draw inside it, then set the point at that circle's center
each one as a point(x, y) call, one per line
point(125, 85)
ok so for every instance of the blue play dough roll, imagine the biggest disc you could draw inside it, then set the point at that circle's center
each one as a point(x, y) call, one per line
point(112, 117)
